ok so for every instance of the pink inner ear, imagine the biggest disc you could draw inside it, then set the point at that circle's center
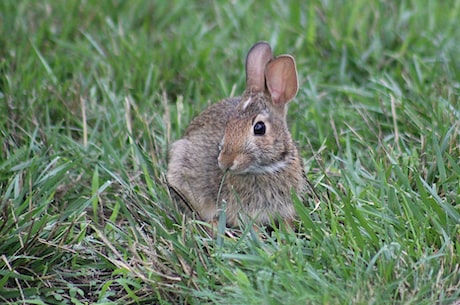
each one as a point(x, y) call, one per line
point(276, 85)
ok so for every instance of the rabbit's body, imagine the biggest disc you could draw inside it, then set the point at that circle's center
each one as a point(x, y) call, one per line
point(247, 139)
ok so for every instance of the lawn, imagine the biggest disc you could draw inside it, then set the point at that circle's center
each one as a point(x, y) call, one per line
point(92, 94)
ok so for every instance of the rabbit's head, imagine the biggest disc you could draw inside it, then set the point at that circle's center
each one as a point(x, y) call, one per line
point(256, 138)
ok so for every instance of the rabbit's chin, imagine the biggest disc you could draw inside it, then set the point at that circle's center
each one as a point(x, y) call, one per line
point(260, 169)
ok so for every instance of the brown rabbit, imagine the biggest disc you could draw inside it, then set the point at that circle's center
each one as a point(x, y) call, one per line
point(238, 154)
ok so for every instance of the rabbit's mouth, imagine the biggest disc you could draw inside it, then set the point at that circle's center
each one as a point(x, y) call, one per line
point(239, 167)
point(267, 168)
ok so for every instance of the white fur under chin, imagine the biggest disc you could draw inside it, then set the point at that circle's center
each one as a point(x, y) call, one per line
point(266, 169)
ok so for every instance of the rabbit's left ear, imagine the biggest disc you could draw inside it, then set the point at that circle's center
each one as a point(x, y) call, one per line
point(258, 57)
point(281, 79)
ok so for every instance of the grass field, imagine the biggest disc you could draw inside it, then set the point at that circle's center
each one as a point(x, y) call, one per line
point(92, 93)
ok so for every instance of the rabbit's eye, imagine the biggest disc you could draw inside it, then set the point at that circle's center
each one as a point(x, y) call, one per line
point(259, 128)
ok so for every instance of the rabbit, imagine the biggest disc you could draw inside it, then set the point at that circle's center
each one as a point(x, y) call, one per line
point(238, 154)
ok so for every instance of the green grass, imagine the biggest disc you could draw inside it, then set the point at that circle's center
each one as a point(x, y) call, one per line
point(93, 92)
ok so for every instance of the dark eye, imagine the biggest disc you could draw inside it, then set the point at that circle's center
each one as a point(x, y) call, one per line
point(259, 128)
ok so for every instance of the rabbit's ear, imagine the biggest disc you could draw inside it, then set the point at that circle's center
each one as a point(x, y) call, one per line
point(258, 57)
point(281, 77)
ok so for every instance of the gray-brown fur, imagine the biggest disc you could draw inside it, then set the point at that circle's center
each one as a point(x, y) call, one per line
point(261, 171)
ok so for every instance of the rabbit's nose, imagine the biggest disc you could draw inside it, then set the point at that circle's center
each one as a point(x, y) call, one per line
point(226, 161)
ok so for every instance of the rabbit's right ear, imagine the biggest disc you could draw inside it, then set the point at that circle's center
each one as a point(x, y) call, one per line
point(258, 57)
point(281, 77)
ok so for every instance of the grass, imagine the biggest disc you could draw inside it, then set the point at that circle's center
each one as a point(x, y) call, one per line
point(92, 94)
